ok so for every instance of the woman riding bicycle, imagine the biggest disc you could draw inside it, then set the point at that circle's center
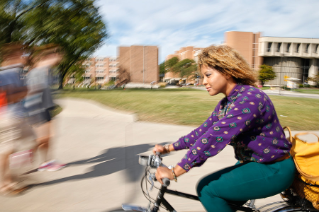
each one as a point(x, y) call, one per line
point(245, 119)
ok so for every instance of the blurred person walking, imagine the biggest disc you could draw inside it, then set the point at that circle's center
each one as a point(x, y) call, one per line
point(16, 136)
point(39, 101)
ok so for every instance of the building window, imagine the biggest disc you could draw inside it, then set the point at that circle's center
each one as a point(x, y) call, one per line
point(298, 46)
point(269, 47)
point(317, 49)
point(278, 47)
point(87, 71)
point(307, 48)
point(99, 78)
point(288, 47)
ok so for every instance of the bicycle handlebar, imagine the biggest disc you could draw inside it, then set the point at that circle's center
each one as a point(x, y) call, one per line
point(158, 161)
point(154, 161)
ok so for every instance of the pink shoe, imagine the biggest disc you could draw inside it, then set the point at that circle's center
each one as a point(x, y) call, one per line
point(51, 166)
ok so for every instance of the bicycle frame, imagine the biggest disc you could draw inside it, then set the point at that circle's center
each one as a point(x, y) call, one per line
point(155, 161)
point(161, 200)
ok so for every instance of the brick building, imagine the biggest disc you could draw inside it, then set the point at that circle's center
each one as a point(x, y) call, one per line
point(246, 43)
point(188, 52)
point(100, 69)
point(141, 62)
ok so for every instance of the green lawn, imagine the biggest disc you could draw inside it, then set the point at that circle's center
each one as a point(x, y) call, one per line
point(308, 90)
point(265, 88)
point(192, 107)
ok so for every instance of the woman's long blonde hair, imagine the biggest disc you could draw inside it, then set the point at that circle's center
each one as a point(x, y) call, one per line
point(229, 62)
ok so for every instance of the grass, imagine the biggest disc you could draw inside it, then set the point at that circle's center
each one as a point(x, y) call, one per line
point(265, 88)
point(192, 107)
point(308, 90)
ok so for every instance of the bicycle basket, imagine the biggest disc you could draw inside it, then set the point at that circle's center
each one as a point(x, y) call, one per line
point(307, 189)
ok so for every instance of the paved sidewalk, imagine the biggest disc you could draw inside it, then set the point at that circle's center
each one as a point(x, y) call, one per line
point(291, 94)
point(281, 93)
point(101, 146)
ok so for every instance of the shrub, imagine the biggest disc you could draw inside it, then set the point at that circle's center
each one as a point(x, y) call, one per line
point(266, 73)
point(306, 86)
point(162, 84)
point(109, 83)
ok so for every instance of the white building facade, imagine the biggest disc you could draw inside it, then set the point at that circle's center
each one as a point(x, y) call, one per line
point(292, 57)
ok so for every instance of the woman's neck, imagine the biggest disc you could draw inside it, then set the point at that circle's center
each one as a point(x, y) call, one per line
point(231, 83)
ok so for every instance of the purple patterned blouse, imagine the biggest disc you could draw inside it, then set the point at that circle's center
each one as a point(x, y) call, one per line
point(247, 120)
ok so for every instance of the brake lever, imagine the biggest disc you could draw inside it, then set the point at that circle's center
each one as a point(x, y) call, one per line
point(151, 177)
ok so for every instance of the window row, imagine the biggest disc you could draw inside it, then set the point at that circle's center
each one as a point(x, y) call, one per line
point(296, 48)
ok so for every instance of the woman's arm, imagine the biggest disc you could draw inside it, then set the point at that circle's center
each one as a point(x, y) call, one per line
point(189, 140)
point(238, 120)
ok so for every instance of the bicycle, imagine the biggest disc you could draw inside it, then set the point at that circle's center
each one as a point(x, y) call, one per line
point(291, 202)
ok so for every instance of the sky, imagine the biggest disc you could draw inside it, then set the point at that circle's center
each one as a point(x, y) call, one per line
point(172, 24)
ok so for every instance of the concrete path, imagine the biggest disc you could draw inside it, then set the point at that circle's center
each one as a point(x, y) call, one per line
point(292, 94)
point(101, 146)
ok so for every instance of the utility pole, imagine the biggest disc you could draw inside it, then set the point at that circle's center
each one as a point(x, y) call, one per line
point(281, 55)
point(143, 64)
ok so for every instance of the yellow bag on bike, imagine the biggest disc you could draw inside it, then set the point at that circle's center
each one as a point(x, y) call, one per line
point(306, 158)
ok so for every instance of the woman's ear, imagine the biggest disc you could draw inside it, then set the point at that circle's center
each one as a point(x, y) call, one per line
point(227, 76)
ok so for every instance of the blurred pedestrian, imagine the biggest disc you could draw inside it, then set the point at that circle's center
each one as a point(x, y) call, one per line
point(16, 136)
point(39, 101)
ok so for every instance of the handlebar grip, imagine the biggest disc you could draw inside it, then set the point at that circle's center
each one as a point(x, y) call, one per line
point(166, 182)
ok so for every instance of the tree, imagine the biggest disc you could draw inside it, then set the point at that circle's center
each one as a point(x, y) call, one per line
point(123, 77)
point(186, 68)
point(169, 64)
point(13, 25)
point(162, 69)
point(266, 73)
point(75, 25)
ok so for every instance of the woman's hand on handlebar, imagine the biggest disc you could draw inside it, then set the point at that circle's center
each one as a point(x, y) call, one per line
point(163, 172)
point(160, 149)
point(163, 149)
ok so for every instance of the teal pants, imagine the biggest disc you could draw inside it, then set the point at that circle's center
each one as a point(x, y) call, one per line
point(243, 182)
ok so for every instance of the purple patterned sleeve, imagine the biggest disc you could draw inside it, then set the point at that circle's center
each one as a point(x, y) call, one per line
point(216, 137)
point(189, 140)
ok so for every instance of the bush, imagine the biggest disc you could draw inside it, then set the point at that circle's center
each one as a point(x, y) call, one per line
point(162, 84)
point(301, 86)
point(306, 86)
point(266, 73)
point(109, 83)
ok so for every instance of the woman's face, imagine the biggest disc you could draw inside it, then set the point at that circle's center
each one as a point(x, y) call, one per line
point(214, 81)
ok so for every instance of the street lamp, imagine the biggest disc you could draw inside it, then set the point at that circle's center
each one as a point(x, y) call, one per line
point(143, 64)
point(281, 56)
